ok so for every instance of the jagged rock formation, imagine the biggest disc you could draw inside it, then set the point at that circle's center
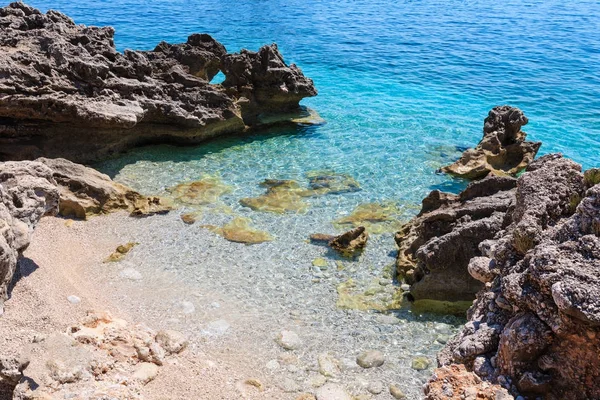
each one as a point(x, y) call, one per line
point(67, 92)
point(535, 328)
point(85, 192)
point(454, 382)
point(436, 246)
point(502, 149)
point(27, 192)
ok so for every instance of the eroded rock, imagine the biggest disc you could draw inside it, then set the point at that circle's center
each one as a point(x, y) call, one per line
point(68, 93)
point(502, 150)
point(27, 192)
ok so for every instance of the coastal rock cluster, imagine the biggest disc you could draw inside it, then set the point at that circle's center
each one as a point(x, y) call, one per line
point(534, 327)
point(27, 192)
point(502, 150)
point(67, 91)
point(100, 357)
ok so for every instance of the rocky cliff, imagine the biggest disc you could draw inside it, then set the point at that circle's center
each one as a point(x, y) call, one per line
point(27, 192)
point(67, 92)
point(535, 326)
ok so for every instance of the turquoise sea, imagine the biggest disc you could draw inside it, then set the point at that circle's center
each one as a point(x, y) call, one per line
point(404, 87)
point(402, 84)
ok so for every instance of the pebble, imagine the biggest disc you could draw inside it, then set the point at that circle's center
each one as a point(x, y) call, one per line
point(332, 392)
point(74, 299)
point(217, 328)
point(172, 341)
point(420, 363)
point(273, 365)
point(289, 340)
point(328, 366)
point(317, 381)
point(443, 339)
point(145, 372)
point(131, 274)
point(288, 385)
point(370, 359)
point(187, 307)
point(405, 287)
point(375, 387)
point(396, 392)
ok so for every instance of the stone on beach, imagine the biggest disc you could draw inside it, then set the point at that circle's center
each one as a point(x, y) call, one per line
point(370, 359)
point(289, 340)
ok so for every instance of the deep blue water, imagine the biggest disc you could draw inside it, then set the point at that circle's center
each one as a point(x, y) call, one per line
point(401, 83)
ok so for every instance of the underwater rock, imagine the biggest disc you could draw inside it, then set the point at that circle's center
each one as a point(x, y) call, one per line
point(348, 244)
point(27, 192)
point(331, 182)
point(352, 297)
point(436, 246)
point(302, 116)
point(282, 196)
point(239, 230)
point(85, 192)
point(502, 150)
point(536, 326)
point(205, 191)
point(189, 218)
point(375, 217)
point(67, 91)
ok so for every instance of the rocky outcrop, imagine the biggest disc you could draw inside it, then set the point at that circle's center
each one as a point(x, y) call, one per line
point(27, 192)
point(502, 149)
point(86, 192)
point(67, 92)
point(535, 328)
point(436, 246)
point(100, 357)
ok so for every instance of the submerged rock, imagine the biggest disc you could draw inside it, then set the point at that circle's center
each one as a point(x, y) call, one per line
point(331, 182)
point(375, 217)
point(502, 150)
point(239, 230)
point(85, 192)
point(27, 192)
point(67, 92)
point(202, 192)
point(535, 327)
point(281, 196)
point(120, 252)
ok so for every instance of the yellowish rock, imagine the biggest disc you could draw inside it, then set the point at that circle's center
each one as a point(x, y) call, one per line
point(282, 196)
point(120, 252)
point(239, 230)
point(205, 191)
point(375, 217)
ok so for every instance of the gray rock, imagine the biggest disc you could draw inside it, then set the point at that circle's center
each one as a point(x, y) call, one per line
point(328, 365)
point(370, 359)
point(375, 387)
point(289, 340)
point(332, 391)
point(67, 86)
point(396, 392)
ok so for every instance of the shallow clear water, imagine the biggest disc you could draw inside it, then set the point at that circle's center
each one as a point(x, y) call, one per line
point(403, 85)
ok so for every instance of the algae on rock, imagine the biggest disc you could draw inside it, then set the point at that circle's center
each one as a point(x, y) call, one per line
point(239, 230)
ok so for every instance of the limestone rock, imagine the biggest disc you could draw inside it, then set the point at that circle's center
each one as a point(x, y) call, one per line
point(454, 382)
point(172, 341)
point(289, 340)
point(502, 150)
point(536, 327)
point(68, 93)
point(85, 192)
point(27, 192)
point(348, 244)
point(436, 246)
point(145, 372)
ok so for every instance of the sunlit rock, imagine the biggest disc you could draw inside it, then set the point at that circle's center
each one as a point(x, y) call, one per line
point(202, 192)
point(375, 217)
point(239, 230)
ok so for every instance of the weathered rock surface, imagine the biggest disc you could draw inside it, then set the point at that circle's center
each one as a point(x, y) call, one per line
point(535, 328)
point(27, 192)
point(85, 192)
point(101, 357)
point(436, 246)
point(454, 382)
point(348, 244)
point(68, 93)
point(502, 149)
